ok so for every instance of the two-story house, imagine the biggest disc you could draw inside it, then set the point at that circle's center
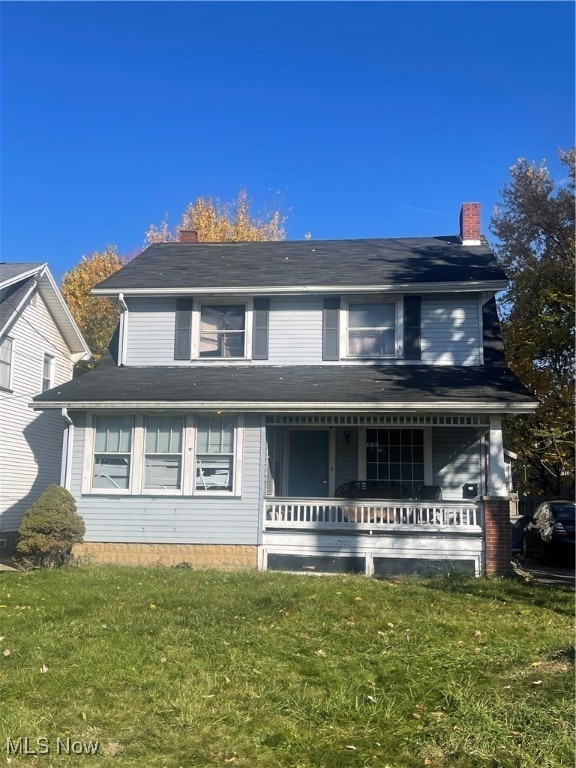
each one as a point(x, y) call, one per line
point(39, 344)
point(311, 405)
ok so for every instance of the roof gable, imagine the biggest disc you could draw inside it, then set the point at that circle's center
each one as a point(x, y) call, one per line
point(17, 285)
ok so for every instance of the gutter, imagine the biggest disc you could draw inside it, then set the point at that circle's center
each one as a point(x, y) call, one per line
point(283, 290)
point(294, 407)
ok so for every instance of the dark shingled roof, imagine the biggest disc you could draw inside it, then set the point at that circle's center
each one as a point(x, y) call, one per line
point(8, 270)
point(294, 384)
point(307, 263)
point(11, 297)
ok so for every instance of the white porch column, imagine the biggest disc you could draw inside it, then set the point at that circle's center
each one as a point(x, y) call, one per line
point(496, 468)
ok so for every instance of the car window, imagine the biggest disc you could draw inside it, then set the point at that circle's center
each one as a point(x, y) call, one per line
point(563, 511)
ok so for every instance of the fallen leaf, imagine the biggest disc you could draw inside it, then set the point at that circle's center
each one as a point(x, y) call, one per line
point(6, 652)
point(536, 663)
point(416, 716)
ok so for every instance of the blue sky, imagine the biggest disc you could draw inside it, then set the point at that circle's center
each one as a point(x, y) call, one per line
point(363, 119)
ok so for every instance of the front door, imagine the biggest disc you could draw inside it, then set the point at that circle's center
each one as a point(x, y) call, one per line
point(308, 462)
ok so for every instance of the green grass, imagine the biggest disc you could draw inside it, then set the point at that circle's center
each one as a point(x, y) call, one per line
point(174, 667)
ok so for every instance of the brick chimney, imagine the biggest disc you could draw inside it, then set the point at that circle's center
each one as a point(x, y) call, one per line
point(188, 236)
point(470, 224)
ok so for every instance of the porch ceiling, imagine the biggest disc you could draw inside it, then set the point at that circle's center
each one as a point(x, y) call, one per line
point(271, 388)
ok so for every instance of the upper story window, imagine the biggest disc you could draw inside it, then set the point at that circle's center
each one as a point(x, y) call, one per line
point(372, 329)
point(6, 362)
point(222, 330)
point(48, 372)
point(112, 452)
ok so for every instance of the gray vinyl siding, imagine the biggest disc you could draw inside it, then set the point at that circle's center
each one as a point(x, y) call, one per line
point(295, 330)
point(30, 441)
point(451, 329)
point(346, 469)
point(456, 460)
point(150, 331)
point(176, 519)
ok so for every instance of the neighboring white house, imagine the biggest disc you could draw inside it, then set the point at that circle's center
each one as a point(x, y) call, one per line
point(39, 344)
point(308, 405)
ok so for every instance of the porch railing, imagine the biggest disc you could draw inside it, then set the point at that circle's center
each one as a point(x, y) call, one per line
point(370, 514)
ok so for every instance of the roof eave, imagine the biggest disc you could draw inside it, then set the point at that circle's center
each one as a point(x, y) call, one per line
point(441, 287)
point(485, 406)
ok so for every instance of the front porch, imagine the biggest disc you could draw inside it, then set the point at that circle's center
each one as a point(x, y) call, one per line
point(380, 494)
point(376, 537)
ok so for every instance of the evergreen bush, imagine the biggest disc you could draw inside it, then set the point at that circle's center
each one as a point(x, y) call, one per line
point(49, 529)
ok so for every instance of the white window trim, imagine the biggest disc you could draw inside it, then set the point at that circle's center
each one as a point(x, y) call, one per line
point(237, 454)
point(187, 460)
point(372, 299)
point(51, 372)
point(10, 386)
point(248, 320)
point(137, 459)
point(88, 466)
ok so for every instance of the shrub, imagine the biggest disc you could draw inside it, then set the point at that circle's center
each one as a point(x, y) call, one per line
point(49, 529)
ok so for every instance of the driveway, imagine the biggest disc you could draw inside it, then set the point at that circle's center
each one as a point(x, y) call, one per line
point(558, 575)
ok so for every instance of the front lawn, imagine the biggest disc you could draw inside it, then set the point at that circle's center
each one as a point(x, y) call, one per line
point(175, 667)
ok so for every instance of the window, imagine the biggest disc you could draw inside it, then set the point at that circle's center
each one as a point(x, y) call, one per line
point(163, 453)
point(47, 372)
point(214, 454)
point(396, 456)
point(6, 359)
point(372, 329)
point(112, 452)
point(222, 330)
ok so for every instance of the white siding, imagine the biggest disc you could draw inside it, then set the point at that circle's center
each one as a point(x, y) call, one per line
point(30, 442)
point(176, 519)
point(451, 330)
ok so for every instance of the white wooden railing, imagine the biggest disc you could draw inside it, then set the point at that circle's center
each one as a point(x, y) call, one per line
point(370, 514)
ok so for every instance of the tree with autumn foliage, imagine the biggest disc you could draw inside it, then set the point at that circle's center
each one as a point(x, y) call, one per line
point(96, 317)
point(535, 228)
point(220, 222)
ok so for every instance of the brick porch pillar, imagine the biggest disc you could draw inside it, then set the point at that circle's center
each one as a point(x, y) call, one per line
point(498, 536)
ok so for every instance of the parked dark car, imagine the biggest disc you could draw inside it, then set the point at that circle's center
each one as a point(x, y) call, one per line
point(549, 533)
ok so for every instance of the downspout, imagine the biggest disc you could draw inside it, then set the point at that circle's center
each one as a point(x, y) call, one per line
point(67, 445)
point(122, 341)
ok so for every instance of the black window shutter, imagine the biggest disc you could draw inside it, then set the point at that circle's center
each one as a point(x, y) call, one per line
point(260, 329)
point(331, 329)
point(182, 333)
point(412, 349)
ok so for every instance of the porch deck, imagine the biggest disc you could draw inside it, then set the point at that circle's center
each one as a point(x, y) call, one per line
point(374, 515)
